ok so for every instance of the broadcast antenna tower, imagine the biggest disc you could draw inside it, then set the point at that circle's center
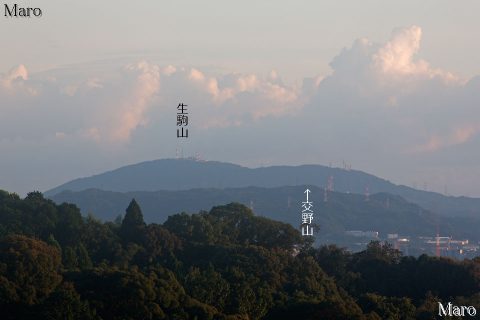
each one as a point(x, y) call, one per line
point(179, 153)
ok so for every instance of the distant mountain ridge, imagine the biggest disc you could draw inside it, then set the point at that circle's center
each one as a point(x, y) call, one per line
point(184, 174)
point(382, 212)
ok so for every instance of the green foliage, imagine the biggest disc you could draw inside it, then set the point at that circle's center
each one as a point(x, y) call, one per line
point(51, 241)
point(70, 260)
point(65, 303)
point(133, 216)
point(132, 225)
point(76, 257)
point(84, 261)
point(69, 227)
point(226, 264)
point(428, 308)
point(388, 307)
point(233, 224)
point(116, 294)
point(328, 309)
point(29, 270)
point(208, 286)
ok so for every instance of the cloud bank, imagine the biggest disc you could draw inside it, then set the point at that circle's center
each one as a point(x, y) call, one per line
point(379, 103)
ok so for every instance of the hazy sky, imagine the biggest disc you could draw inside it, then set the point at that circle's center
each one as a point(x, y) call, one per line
point(392, 88)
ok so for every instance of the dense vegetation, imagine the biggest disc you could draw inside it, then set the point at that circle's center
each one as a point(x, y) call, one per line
point(223, 264)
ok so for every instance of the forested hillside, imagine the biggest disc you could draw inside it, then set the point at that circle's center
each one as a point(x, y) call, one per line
point(226, 263)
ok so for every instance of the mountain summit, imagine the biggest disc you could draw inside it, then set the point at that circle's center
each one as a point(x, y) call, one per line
point(185, 174)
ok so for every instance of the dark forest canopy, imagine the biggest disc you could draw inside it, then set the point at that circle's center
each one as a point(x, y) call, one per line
point(227, 263)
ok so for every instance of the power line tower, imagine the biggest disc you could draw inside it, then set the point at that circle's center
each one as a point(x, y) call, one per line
point(330, 183)
point(437, 244)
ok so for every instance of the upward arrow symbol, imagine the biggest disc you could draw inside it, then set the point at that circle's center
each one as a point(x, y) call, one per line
point(307, 192)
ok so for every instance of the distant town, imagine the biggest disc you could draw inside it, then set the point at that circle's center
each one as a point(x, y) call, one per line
point(440, 246)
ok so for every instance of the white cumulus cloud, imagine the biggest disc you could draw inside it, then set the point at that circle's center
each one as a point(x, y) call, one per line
point(381, 107)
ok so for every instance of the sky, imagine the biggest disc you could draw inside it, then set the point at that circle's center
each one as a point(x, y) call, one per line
point(390, 88)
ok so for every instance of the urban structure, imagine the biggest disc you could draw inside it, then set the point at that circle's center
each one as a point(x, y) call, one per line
point(440, 246)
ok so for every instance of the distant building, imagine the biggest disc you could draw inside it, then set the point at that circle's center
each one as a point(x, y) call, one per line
point(362, 234)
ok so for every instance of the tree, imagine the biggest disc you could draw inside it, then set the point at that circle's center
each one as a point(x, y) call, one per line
point(388, 307)
point(65, 303)
point(333, 260)
point(207, 286)
point(132, 224)
point(101, 242)
point(51, 241)
point(70, 224)
point(28, 270)
point(133, 216)
point(84, 261)
point(70, 260)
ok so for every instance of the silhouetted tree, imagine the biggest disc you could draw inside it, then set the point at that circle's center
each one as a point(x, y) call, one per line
point(133, 224)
